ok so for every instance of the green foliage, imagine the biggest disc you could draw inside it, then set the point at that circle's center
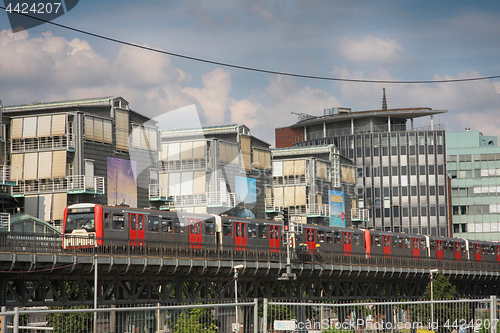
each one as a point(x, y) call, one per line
point(78, 321)
point(276, 312)
point(197, 320)
point(442, 312)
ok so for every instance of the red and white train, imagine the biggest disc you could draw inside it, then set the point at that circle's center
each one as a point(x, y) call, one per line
point(90, 224)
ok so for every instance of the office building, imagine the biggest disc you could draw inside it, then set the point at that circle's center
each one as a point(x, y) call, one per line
point(400, 169)
point(474, 169)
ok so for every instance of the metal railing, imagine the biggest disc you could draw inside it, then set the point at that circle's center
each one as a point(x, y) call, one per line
point(71, 184)
point(206, 199)
point(363, 130)
point(207, 317)
point(44, 143)
point(186, 165)
point(360, 214)
point(4, 221)
point(8, 175)
point(458, 315)
point(275, 205)
point(157, 191)
point(318, 209)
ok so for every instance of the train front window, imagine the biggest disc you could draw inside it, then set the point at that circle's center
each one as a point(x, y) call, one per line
point(209, 228)
point(80, 221)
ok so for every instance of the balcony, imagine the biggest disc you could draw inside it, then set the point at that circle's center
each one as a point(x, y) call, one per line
point(158, 192)
point(318, 210)
point(363, 130)
point(187, 165)
point(4, 222)
point(76, 184)
point(67, 141)
point(85, 184)
point(359, 214)
point(274, 205)
point(8, 175)
point(210, 199)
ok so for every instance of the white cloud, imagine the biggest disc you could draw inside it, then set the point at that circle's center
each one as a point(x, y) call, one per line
point(474, 104)
point(370, 49)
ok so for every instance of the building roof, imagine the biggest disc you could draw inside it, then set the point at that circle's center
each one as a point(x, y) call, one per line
point(21, 218)
point(407, 113)
point(222, 129)
point(99, 101)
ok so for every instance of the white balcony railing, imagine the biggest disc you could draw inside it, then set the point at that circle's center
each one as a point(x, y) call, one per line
point(359, 214)
point(275, 205)
point(5, 221)
point(44, 143)
point(8, 175)
point(186, 165)
point(158, 192)
point(318, 209)
point(214, 199)
point(72, 184)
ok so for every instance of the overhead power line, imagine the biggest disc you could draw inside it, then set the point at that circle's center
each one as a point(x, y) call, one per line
point(253, 69)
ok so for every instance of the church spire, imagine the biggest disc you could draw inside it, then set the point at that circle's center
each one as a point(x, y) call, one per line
point(384, 100)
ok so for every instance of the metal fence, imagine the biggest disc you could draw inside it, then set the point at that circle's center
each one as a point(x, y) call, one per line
point(195, 318)
point(459, 316)
point(449, 316)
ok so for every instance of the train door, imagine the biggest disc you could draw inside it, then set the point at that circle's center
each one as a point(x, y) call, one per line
point(439, 249)
point(195, 234)
point(497, 251)
point(274, 238)
point(458, 251)
point(240, 239)
point(477, 248)
point(386, 244)
point(311, 239)
point(415, 244)
point(136, 229)
point(347, 237)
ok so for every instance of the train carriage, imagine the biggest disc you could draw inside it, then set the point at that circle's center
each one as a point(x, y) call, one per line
point(242, 233)
point(444, 248)
point(327, 239)
point(482, 251)
point(388, 244)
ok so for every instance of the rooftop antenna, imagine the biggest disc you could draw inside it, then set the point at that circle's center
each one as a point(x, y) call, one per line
point(384, 99)
point(303, 116)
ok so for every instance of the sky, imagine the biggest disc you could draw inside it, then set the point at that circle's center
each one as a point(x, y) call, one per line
point(374, 40)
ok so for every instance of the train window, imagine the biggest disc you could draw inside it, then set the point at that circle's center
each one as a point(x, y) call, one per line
point(132, 222)
point(357, 240)
point(276, 232)
point(141, 222)
point(227, 229)
point(107, 218)
point(407, 243)
point(262, 231)
point(439, 245)
point(179, 226)
point(347, 238)
point(118, 222)
point(329, 238)
point(166, 225)
point(192, 226)
point(415, 244)
point(321, 236)
point(252, 230)
point(463, 248)
point(422, 244)
point(198, 227)
point(238, 232)
point(153, 224)
point(209, 228)
point(243, 230)
point(478, 248)
point(377, 241)
point(395, 241)
point(336, 237)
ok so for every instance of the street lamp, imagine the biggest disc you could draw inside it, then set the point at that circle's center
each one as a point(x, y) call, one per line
point(432, 272)
point(236, 326)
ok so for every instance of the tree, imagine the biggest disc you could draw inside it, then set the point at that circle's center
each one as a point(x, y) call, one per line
point(197, 320)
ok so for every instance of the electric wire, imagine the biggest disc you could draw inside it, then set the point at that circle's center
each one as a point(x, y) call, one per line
point(254, 69)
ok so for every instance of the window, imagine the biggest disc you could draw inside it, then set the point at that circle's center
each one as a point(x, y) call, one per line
point(262, 231)
point(209, 228)
point(227, 229)
point(118, 222)
point(153, 224)
point(166, 225)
